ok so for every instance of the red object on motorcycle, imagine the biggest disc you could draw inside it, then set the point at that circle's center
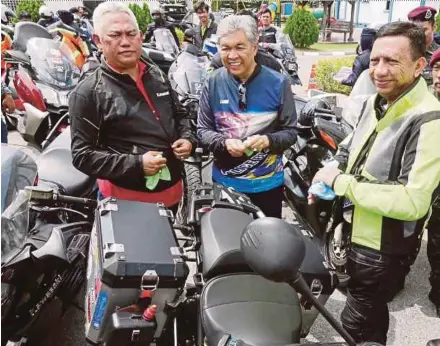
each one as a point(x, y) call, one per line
point(150, 313)
point(28, 91)
point(329, 140)
point(19, 104)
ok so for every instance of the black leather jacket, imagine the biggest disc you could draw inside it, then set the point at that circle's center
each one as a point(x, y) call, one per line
point(112, 126)
point(360, 64)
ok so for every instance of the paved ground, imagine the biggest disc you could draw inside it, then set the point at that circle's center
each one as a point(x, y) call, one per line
point(412, 318)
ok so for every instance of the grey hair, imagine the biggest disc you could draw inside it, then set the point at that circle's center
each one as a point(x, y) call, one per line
point(235, 23)
point(106, 8)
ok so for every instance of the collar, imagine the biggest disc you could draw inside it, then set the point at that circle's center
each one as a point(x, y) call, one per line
point(113, 70)
point(257, 70)
point(207, 26)
point(409, 99)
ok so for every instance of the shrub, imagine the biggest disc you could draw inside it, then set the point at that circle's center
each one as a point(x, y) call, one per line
point(325, 69)
point(302, 28)
point(30, 6)
point(142, 15)
point(179, 35)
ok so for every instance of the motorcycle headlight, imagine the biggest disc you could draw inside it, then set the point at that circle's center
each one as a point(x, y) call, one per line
point(57, 98)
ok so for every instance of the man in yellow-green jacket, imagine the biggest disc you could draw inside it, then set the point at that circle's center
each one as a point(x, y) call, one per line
point(390, 172)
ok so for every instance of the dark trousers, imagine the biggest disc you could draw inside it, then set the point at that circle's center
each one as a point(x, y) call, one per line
point(373, 278)
point(434, 254)
point(270, 202)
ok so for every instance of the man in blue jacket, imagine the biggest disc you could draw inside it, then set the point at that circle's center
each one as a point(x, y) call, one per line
point(247, 118)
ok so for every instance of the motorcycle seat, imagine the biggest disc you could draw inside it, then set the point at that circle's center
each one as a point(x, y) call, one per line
point(220, 242)
point(55, 166)
point(252, 309)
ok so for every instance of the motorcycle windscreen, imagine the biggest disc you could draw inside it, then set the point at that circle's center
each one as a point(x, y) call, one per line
point(165, 41)
point(18, 171)
point(190, 74)
point(52, 63)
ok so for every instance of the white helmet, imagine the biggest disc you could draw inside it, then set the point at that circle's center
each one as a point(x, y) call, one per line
point(45, 11)
point(6, 14)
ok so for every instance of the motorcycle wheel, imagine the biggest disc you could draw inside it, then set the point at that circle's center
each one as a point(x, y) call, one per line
point(192, 180)
point(338, 256)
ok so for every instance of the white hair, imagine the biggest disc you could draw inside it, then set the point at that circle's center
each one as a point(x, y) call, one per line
point(235, 23)
point(109, 7)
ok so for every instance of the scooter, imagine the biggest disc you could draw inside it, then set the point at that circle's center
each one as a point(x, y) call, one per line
point(43, 77)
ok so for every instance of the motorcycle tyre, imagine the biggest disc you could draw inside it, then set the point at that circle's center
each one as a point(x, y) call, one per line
point(342, 277)
point(192, 180)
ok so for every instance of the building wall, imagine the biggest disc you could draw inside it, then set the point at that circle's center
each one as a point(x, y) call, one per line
point(376, 11)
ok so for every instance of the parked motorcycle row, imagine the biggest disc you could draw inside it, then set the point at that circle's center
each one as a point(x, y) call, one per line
point(56, 237)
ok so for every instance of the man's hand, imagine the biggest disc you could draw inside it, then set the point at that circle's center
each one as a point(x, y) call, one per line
point(257, 142)
point(8, 103)
point(327, 175)
point(182, 148)
point(152, 162)
point(235, 147)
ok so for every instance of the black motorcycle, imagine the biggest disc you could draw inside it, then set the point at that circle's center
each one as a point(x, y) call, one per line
point(45, 236)
point(319, 133)
point(136, 292)
point(284, 52)
point(187, 76)
point(163, 49)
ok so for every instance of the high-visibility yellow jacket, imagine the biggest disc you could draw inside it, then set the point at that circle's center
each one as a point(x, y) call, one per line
point(392, 170)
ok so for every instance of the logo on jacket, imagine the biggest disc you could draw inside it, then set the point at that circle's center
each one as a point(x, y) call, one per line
point(224, 102)
point(166, 93)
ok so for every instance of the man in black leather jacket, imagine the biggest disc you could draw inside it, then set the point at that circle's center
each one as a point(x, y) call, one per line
point(362, 62)
point(159, 22)
point(127, 124)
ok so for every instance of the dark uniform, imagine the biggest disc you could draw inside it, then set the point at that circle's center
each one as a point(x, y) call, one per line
point(268, 35)
point(425, 14)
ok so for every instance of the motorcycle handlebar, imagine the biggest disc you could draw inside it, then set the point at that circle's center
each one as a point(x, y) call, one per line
point(76, 200)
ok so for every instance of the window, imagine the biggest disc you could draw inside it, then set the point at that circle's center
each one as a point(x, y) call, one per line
point(387, 6)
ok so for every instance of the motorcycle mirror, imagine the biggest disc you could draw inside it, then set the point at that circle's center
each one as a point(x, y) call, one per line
point(273, 249)
point(189, 33)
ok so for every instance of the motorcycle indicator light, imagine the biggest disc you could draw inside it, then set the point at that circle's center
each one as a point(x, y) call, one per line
point(327, 139)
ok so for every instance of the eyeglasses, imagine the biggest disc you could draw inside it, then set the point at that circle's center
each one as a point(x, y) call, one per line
point(242, 97)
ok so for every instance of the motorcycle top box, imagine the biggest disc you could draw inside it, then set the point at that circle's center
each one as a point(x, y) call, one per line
point(134, 263)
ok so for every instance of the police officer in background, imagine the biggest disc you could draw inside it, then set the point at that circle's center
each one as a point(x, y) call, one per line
point(425, 16)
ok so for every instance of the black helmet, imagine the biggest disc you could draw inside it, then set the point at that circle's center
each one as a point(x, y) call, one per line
point(66, 16)
point(24, 16)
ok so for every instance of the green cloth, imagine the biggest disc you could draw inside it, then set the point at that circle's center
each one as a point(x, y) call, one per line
point(153, 180)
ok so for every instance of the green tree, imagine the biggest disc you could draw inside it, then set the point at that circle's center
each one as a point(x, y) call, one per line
point(142, 15)
point(302, 28)
point(30, 6)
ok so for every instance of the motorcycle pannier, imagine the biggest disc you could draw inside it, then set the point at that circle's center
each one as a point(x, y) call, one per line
point(134, 262)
